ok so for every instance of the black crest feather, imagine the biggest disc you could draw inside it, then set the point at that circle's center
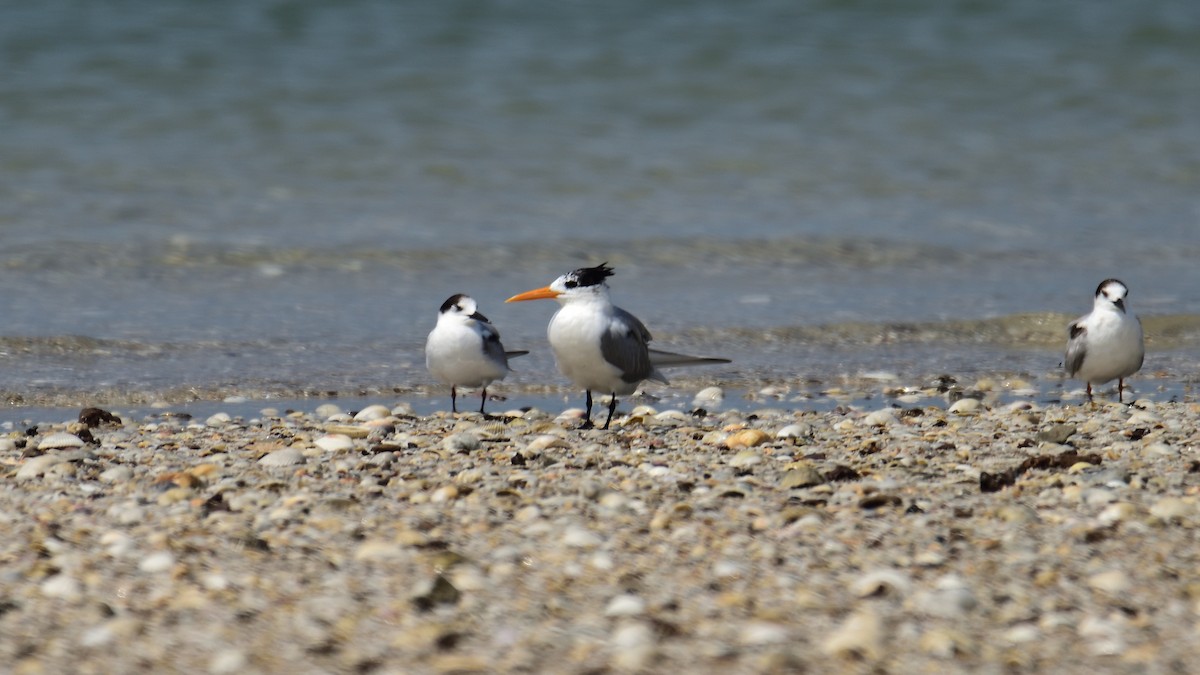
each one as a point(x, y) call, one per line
point(592, 276)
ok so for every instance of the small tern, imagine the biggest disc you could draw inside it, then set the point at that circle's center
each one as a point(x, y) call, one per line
point(599, 346)
point(464, 350)
point(1107, 343)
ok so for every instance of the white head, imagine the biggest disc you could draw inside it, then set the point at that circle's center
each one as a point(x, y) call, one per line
point(1111, 293)
point(585, 282)
point(460, 308)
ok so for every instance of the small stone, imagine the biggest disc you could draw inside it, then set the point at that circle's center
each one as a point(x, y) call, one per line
point(880, 418)
point(745, 459)
point(38, 466)
point(218, 420)
point(859, 636)
point(801, 476)
point(578, 536)
point(1171, 509)
point(327, 410)
point(59, 441)
point(747, 438)
point(228, 662)
point(1058, 433)
point(282, 457)
point(62, 586)
point(882, 583)
point(117, 474)
point(461, 442)
point(757, 633)
point(157, 562)
point(633, 645)
point(795, 431)
point(1112, 582)
point(625, 604)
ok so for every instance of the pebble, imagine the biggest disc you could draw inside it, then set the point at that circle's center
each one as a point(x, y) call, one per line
point(880, 418)
point(157, 562)
point(839, 541)
point(860, 636)
point(36, 467)
point(218, 420)
point(626, 604)
point(326, 411)
point(1172, 509)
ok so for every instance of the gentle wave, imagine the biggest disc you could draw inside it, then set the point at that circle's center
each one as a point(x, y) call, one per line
point(712, 253)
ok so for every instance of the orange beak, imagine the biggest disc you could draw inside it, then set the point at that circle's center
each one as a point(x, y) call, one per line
point(544, 293)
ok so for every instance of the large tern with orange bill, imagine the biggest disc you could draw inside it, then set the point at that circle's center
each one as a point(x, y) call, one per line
point(598, 345)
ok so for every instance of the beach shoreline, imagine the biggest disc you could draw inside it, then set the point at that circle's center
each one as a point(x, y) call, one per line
point(983, 534)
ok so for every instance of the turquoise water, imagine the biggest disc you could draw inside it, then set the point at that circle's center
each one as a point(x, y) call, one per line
point(256, 196)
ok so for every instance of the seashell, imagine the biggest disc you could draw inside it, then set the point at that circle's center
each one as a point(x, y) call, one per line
point(795, 431)
point(546, 441)
point(59, 441)
point(709, 398)
point(745, 459)
point(372, 412)
point(282, 457)
point(351, 430)
point(747, 438)
point(334, 443)
point(801, 475)
point(966, 406)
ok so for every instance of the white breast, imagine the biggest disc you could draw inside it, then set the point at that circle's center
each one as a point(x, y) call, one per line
point(574, 335)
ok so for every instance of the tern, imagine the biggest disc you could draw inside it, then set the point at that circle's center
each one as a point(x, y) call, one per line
point(464, 350)
point(1106, 344)
point(599, 346)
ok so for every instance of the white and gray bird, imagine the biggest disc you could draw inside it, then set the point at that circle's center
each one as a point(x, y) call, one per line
point(1106, 344)
point(599, 346)
point(464, 350)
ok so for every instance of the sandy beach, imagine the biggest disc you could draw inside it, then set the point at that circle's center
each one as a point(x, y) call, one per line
point(920, 535)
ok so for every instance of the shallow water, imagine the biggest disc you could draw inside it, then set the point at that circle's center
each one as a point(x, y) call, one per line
point(274, 199)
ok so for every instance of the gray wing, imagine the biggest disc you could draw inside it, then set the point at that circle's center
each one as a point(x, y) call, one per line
point(1076, 347)
point(624, 346)
point(491, 343)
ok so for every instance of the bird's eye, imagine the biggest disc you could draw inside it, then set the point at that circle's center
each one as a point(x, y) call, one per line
point(571, 283)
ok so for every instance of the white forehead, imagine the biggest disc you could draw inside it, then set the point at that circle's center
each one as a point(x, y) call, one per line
point(1114, 290)
point(467, 304)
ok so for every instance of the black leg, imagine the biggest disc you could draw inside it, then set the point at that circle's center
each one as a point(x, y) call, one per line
point(453, 399)
point(612, 407)
point(587, 415)
point(482, 400)
point(1089, 392)
point(1120, 389)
